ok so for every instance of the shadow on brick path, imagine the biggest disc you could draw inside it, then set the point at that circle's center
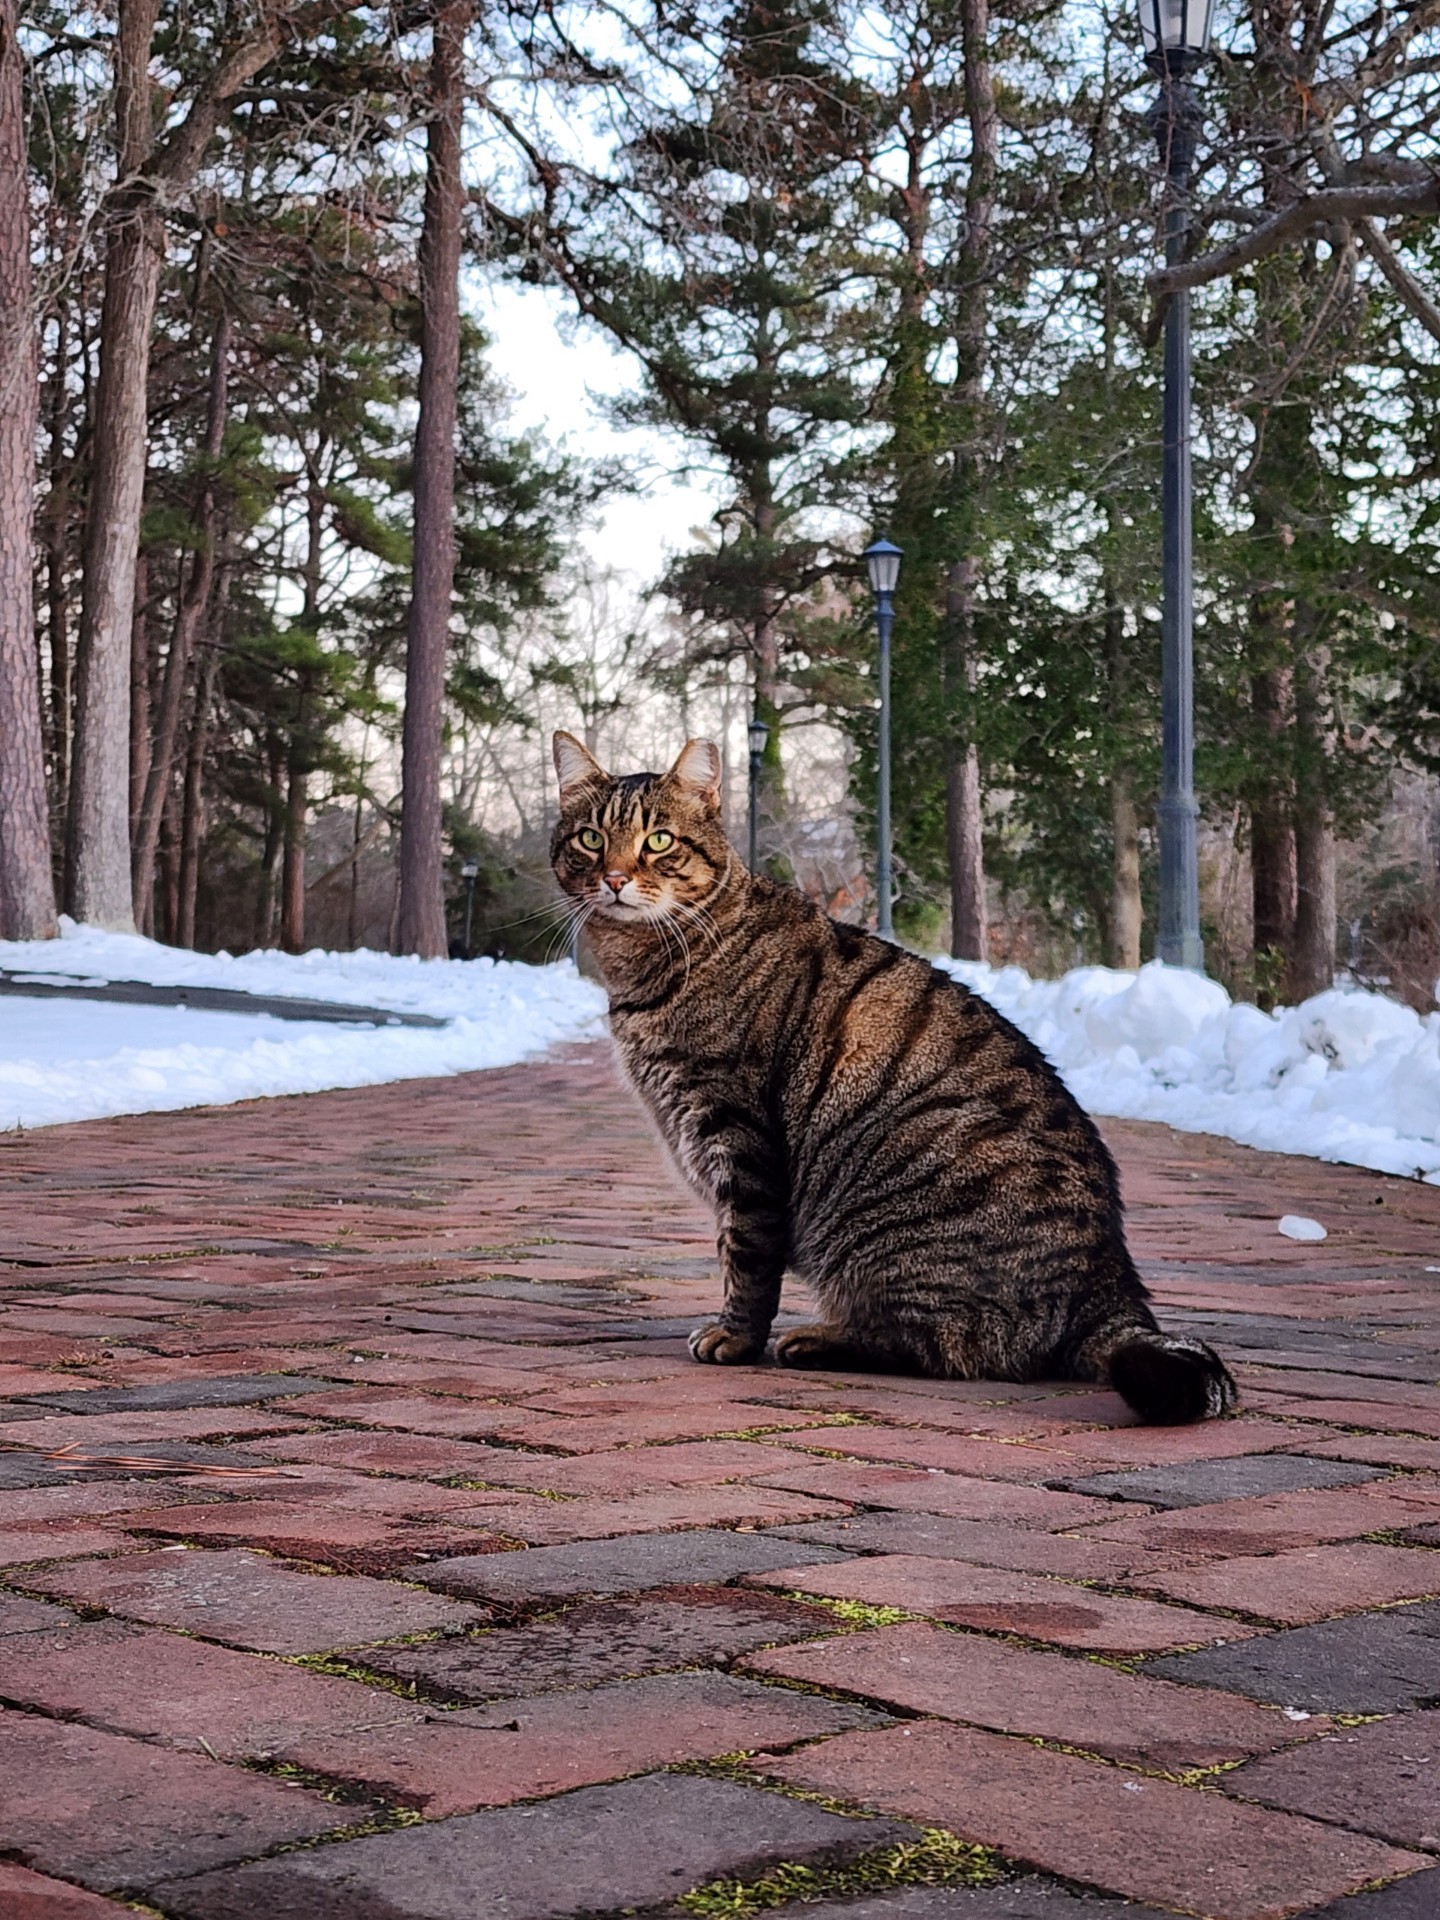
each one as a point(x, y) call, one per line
point(370, 1549)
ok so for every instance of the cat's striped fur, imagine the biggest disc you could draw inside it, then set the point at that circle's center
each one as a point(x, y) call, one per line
point(853, 1114)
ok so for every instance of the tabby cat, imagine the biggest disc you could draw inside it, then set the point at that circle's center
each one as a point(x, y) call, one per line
point(855, 1115)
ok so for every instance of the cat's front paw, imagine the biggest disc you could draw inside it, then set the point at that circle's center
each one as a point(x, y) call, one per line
point(724, 1346)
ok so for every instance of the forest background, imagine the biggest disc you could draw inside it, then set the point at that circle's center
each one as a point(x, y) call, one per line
point(288, 609)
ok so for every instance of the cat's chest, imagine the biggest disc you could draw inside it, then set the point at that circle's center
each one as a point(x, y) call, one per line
point(681, 1098)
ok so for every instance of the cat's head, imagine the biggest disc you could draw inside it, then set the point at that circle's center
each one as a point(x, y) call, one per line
point(639, 846)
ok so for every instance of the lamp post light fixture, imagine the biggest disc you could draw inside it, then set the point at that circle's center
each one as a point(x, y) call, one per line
point(882, 563)
point(469, 873)
point(1176, 34)
point(759, 735)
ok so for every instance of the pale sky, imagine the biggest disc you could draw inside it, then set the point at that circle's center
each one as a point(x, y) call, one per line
point(557, 383)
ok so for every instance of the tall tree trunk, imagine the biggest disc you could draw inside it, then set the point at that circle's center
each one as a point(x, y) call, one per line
point(167, 915)
point(194, 602)
point(56, 522)
point(969, 917)
point(352, 916)
point(764, 624)
point(1312, 966)
point(964, 816)
point(422, 887)
point(27, 898)
point(192, 821)
point(292, 875)
point(1125, 908)
point(98, 874)
point(765, 637)
point(1126, 916)
point(141, 666)
point(98, 866)
point(965, 822)
point(1317, 912)
point(1272, 827)
point(275, 823)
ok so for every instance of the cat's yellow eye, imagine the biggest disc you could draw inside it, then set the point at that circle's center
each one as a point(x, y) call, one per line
point(659, 842)
point(591, 839)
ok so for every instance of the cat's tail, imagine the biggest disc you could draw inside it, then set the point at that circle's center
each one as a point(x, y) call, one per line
point(1168, 1378)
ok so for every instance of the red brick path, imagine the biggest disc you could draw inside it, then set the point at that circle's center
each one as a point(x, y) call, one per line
point(492, 1558)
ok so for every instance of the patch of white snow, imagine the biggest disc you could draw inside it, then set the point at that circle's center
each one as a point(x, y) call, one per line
point(1296, 1226)
point(83, 1059)
point(1347, 1075)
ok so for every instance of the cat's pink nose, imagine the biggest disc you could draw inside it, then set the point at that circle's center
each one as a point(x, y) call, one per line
point(617, 882)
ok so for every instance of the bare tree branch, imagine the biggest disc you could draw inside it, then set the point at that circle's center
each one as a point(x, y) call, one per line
point(184, 150)
point(1316, 209)
point(1411, 293)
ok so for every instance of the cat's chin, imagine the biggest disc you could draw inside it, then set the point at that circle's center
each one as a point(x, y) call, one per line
point(621, 914)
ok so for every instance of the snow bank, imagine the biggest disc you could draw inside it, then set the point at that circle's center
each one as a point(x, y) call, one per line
point(1346, 1076)
point(81, 1060)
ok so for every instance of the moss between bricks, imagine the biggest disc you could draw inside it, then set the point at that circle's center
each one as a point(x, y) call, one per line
point(853, 1613)
point(936, 1859)
point(769, 1429)
point(379, 1816)
point(738, 1767)
point(462, 1485)
point(343, 1669)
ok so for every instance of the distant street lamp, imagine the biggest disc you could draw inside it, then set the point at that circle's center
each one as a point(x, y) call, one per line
point(1177, 35)
point(759, 735)
point(469, 873)
point(882, 563)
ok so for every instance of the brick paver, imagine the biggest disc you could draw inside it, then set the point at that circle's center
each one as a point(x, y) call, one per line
point(35, 1896)
point(185, 1693)
point(495, 1537)
point(1204, 1481)
point(603, 1640)
point(1199, 1851)
point(1304, 1584)
point(627, 1565)
point(1383, 1778)
point(1414, 1898)
point(957, 1496)
point(522, 1749)
point(590, 1852)
point(1027, 1899)
point(118, 1815)
point(248, 1600)
point(1076, 1703)
point(998, 1601)
point(1386, 1662)
point(987, 1543)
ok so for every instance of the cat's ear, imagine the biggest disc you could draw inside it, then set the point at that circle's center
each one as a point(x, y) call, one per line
point(575, 764)
point(698, 770)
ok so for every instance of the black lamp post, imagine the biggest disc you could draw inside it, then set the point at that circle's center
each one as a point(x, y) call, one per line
point(882, 563)
point(759, 733)
point(1176, 35)
point(469, 873)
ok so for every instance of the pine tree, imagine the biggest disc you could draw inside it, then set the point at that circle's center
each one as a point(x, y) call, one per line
point(718, 256)
point(422, 909)
point(27, 901)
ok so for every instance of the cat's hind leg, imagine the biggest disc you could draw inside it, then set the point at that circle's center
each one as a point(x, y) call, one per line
point(846, 1349)
point(860, 1342)
point(817, 1346)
